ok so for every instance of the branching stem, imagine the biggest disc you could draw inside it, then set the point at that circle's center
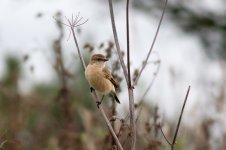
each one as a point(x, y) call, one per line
point(73, 23)
point(117, 42)
point(172, 145)
point(130, 88)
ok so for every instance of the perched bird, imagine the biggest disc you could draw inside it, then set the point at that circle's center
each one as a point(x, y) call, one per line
point(100, 77)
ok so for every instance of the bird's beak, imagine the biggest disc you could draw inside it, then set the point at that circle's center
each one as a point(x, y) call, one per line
point(105, 59)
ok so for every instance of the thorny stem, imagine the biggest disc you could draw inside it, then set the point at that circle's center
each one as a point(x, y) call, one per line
point(172, 145)
point(152, 45)
point(72, 25)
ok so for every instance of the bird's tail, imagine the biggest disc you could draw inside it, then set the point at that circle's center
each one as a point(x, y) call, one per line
point(116, 98)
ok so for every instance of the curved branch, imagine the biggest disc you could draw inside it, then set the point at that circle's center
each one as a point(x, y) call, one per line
point(164, 135)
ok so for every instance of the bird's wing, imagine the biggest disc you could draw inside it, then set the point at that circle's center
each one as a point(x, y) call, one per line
point(108, 75)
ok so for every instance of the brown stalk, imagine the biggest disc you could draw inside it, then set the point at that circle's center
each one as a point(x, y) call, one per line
point(172, 145)
point(130, 88)
point(125, 71)
point(72, 24)
point(117, 42)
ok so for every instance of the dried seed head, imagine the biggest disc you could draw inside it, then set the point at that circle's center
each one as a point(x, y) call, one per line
point(111, 44)
point(135, 74)
point(89, 47)
point(101, 45)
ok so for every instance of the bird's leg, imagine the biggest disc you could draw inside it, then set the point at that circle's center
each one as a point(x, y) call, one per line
point(91, 89)
point(99, 102)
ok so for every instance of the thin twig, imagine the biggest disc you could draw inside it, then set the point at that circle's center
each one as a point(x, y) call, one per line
point(60, 22)
point(77, 46)
point(116, 41)
point(178, 124)
point(152, 45)
point(151, 83)
point(164, 135)
point(69, 35)
point(95, 97)
point(179, 121)
point(81, 23)
point(76, 18)
point(107, 121)
point(138, 114)
point(147, 90)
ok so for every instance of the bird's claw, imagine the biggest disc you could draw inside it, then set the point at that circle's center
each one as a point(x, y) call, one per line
point(91, 89)
point(98, 104)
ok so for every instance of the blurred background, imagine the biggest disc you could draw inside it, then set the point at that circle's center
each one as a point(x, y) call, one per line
point(45, 101)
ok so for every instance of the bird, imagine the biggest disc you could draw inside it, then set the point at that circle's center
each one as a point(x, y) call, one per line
point(100, 77)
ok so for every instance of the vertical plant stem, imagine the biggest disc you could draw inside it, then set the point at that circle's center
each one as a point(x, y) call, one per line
point(179, 121)
point(132, 118)
point(113, 113)
point(130, 88)
point(128, 43)
point(116, 41)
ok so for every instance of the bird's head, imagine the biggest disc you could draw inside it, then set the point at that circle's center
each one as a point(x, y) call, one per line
point(98, 59)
